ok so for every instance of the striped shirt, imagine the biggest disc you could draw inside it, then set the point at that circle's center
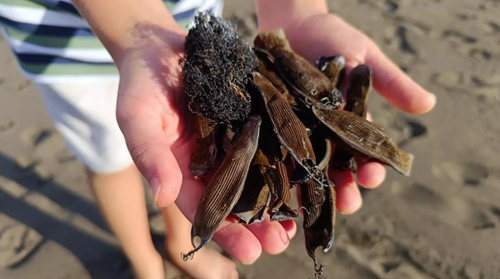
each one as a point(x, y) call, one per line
point(54, 43)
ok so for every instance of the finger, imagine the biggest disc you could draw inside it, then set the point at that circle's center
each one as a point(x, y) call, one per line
point(243, 243)
point(395, 86)
point(369, 174)
point(290, 227)
point(234, 238)
point(150, 151)
point(369, 116)
point(239, 242)
point(272, 236)
point(348, 196)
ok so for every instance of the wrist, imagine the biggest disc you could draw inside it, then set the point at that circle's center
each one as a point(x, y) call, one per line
point(287, 14)
point(157, 49)
point(125, 25)
point(149, 41)
point(147, 37)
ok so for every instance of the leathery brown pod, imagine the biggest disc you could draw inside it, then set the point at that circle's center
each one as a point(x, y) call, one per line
point(269, 126)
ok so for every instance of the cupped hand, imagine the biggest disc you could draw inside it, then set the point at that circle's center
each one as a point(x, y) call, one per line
point(153, 115)
point(328, 35)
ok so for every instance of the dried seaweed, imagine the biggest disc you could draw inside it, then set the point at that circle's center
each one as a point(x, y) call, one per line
point(215, 69)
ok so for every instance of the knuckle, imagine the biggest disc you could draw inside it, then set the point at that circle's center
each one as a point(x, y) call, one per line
point(139, 154)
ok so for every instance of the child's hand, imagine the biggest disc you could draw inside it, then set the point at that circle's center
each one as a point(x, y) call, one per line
point(153, 116)
point(328, 35)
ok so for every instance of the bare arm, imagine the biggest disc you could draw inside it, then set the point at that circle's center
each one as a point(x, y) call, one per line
point(281, 13)
point(113, 21)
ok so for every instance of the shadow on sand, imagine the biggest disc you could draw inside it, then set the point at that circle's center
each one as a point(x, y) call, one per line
point(101, 259)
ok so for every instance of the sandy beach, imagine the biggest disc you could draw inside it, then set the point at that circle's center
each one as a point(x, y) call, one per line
point(443, 222)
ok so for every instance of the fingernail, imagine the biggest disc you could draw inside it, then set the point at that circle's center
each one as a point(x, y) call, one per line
point(434, 98)
point(285, 238)
point(246, 263)
point(346, 213)
point(155, 187)
point(354, 210)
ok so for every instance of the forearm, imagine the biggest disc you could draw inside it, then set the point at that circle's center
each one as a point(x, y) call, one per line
point(284, 13)
point(118, 23)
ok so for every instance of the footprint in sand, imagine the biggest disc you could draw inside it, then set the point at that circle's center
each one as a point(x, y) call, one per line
point(407, 129)
point(64, 156)
point(458, 37)
point(43, 173)
point(480, 54)
point(400, 36)
point(469, 174)
point(418, 193)
point(17, 242)
point(474, 174)
point(392, 5)
point(414, 129)
point(491, 27)
point(471, 271)
point(496, 212)
point(384, 258)
point(404, 44)
point(448, 79)
point(6, 125)
point(488, 95)
point(30, 166)
point(452, 210)
point(486, 79)
point(23, 85)
point(465, 17)
point(36, 136)
point(487, 89)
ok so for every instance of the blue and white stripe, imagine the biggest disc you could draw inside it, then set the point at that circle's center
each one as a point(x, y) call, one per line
point(53, 43)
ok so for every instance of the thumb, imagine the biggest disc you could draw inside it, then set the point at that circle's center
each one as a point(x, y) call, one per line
point(151, 152)
point(395, 86)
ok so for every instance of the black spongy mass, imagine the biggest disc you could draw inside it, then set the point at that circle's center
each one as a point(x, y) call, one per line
point(215, 69)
